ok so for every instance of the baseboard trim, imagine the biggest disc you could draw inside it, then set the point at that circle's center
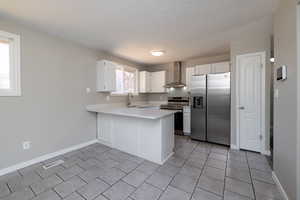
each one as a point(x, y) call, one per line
point(282, 191)
point(232, 146)
point(266, 152)
point(104, 143)
point(44, 157)
point(167, 158)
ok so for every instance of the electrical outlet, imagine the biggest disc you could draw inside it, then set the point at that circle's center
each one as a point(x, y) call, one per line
point(88, 90)
point(26, 145)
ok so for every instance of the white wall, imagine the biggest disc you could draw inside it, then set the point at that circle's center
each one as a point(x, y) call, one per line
point(285, 107)
point(298, 64)
point(254, 37)
point(51, 111)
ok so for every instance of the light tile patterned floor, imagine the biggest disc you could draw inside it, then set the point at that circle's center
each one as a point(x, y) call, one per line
point(197, 171)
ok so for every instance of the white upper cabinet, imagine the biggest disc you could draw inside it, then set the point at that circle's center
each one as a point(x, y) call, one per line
point(190, 71)
point(221, 67)
point(158, 81)
point(106, 76)
point(203, 69)
point(145, 82)
point(214, 68)
point(152, 82)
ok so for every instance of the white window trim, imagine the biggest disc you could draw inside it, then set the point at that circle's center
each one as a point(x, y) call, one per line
point(136, 93)
point(15, 68)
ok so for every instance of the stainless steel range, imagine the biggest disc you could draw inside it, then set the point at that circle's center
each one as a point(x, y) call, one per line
point(177, 103)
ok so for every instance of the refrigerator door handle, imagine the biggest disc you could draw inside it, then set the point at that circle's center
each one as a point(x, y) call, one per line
point(242, 108)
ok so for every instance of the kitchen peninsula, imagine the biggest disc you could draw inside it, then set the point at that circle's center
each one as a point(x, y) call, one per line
point(144, 132)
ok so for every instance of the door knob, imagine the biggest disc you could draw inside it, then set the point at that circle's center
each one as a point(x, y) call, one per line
point(242, 108)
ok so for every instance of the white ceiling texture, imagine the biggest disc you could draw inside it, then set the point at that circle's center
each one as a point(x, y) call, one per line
point(132, 28)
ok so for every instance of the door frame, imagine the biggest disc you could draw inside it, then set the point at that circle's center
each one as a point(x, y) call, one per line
point(262, 105)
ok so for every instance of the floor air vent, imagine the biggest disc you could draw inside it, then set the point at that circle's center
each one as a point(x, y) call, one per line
point(53, 164)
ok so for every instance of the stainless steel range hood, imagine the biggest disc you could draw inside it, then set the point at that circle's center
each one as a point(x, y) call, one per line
point(177, 72)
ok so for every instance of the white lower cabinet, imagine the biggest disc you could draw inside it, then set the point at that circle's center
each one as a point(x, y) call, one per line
point(151, 139)
point(105, 127)
point(187, 120)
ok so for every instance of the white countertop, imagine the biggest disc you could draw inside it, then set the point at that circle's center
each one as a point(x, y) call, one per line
point(145, 113)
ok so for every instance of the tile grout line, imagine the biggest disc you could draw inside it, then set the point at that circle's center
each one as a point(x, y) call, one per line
point(252, 184)
point(116, 181)
point(55, 192)
point(172, 177)
point(211, 177)
point(126, 174)
point(122, 159)
point(225, 176)
point(110, 186)
point(10, 189)
point(80, 194)
point(202, 169)
point(32, 191)
point(236, 179)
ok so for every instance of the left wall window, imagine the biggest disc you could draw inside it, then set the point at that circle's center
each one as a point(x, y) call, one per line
point(10, 83)
point(126, 81)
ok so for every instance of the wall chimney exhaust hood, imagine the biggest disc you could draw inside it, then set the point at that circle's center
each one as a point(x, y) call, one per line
point(177, 82)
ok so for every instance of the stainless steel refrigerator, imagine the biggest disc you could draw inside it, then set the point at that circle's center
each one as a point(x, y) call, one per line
point(210, 114)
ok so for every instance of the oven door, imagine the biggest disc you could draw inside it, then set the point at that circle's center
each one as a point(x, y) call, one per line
point(178, 122)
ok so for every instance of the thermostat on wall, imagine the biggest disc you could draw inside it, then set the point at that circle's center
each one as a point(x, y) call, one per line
point(282, 73)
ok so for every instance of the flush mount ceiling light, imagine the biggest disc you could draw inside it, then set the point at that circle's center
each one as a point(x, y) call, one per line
point(157, 53)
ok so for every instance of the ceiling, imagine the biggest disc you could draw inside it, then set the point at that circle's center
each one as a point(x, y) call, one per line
point(132, 28)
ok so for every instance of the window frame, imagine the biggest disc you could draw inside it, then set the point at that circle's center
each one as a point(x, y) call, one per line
point(136, 74)
point(14, 67)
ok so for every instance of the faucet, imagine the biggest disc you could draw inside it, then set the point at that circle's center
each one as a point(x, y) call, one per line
point(129, 98)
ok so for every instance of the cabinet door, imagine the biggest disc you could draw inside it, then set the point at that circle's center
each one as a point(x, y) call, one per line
point(187, 123)
point(189, 72)
point(221, 67)
point(106, 76)
point(202, 69)
point(100, 76)
point(144, 82)
point(158, 80)
point(104, 126)
point(110, 77)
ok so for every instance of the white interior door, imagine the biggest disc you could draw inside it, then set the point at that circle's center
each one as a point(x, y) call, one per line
point(250, 100)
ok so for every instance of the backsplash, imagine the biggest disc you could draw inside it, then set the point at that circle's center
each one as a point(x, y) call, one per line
point(177, 92)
